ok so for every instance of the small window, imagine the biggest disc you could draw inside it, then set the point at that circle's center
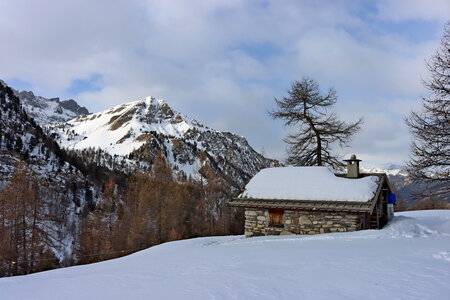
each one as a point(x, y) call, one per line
point(276, 217)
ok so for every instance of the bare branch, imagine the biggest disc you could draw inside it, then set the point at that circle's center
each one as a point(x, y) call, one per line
point(430, 127)
point(319, 128)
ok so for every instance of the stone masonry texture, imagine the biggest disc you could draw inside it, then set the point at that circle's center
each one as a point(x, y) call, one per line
point(300, 222)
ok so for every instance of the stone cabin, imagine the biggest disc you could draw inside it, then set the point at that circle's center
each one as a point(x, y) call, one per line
point(314, 200)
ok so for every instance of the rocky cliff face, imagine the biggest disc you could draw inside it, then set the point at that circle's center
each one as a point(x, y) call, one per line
point(49, 110)
point(21, 138)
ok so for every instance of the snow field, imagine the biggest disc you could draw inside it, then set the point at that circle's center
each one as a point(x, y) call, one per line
point(408, 259)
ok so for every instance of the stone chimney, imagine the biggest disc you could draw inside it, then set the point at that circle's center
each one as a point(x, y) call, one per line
point(352, 167)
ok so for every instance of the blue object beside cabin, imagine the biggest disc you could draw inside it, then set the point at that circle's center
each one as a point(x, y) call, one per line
point(392, 198)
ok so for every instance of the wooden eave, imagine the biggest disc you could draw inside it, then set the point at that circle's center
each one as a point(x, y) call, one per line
point(337, 206)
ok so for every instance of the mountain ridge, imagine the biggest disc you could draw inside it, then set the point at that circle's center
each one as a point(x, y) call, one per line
point(128, 136)
point(50, 110)
point(133, 132)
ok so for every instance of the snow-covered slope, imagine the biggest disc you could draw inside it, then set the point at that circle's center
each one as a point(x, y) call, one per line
point(50, 110)
point(128, 136)
point(125, 128)
point(408, 259)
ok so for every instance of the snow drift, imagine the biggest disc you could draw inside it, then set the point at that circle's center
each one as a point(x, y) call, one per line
point(408, 259)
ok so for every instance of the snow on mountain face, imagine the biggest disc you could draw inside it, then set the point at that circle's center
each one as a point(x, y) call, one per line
point(135, 131)
point(123, 129)
point(389, 169)
point(21, 137)
point(50, 110)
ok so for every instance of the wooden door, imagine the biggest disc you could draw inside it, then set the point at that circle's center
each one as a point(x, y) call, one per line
point(276, 217)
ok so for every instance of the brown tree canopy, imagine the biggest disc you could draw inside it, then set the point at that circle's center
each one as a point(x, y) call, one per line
point(24, 226)
point(319, 129)
point(430, 127)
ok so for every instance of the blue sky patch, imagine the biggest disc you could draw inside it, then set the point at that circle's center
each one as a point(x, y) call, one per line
point(260, 50)
point(415, 31)
point(81, 85)
point(19, 84)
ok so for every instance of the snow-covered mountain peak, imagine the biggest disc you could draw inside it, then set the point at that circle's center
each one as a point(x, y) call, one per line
point(157, 110)
point(146, 111)
point(149, 100)
point(49, 110)
point(133, 132)
point(126, 127)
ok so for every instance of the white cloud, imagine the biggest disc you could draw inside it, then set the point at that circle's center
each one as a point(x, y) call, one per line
point(401, 10)
point(212, 59)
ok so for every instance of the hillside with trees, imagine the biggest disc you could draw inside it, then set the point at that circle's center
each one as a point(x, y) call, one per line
point(60, 208)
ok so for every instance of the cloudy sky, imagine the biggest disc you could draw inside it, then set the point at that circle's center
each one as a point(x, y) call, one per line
point(222, 62)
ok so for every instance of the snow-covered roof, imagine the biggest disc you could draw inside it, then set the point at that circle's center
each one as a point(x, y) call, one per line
point(309, 183)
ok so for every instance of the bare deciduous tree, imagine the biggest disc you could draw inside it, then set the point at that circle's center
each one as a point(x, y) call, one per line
point(430, 128)
point(318, 128)
point(24, 229)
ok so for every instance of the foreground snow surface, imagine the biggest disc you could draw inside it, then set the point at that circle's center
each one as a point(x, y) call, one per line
point(408, 259)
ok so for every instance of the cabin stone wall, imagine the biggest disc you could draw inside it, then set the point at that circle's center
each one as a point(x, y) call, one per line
point(256, 222)
point(300, 222)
